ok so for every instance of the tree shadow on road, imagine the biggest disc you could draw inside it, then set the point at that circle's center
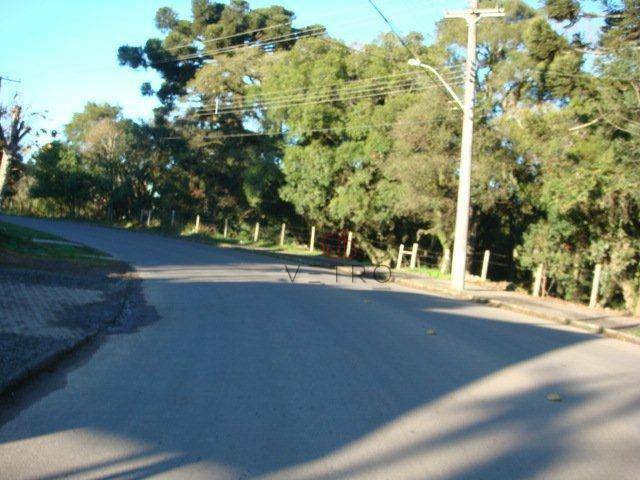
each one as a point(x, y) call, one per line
point(264, 378)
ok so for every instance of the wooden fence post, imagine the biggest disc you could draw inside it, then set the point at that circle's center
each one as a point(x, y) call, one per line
point(414, 256)
point(595, 287)
point(537, 284)
point(283, 231)
point(256, 233)
point(197, 229)
point(347, 253)
point(400, 255)
point(173, 218)
point(312, 240)
point(485, 264)
point(226, 228)
point(446, 261)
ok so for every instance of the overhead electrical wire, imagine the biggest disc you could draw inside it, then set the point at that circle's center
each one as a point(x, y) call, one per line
point(305, 96)
point(215, 138)
point(226, 37)
point(373, 80)
point(264, 43)
point(393, 30)
point(328, 99)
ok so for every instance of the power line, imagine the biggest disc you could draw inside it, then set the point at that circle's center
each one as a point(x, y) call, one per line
point(346, 90)
point(258, 43)
point(393, 30)
point(235, 35)
point(330, 99)
point(9, 79)
point(345, 84)
point(335, 97)
point(317, 130)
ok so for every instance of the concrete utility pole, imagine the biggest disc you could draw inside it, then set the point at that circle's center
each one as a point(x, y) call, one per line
point(472, 16)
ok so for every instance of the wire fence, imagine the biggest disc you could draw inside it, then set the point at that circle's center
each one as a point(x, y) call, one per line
point(482, 266)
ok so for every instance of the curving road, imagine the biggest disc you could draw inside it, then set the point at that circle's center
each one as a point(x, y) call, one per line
point(246, 375)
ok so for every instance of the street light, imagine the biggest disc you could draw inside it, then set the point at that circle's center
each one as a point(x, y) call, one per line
point(472, 16)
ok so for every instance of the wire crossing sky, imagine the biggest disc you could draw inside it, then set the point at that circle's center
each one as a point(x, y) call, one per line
point(68, 54)
point(69, 58)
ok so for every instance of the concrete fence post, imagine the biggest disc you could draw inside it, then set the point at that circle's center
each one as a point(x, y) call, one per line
point(148, 218)
point(485, 264)
point(595, 287)
point(283, 231)
point(446, 261)
point(225, 232)
point(414, 256)
point(400, 255)
point(537, 284)
point(197, 229)
point(347, 252)
point(312, 240)
point(173, 218)
point(256, 233)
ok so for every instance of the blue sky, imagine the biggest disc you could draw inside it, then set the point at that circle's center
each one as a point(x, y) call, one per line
point(64, 51)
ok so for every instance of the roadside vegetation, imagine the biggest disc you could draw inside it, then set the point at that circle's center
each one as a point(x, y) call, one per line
point(29, 244)
point(309, 131)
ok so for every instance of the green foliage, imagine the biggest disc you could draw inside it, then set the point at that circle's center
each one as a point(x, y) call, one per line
point(61, 177)
point(563, 10)
point(541, 40)
point(555, 172)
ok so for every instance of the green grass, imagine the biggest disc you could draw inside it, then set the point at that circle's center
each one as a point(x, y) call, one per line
point(22, 241)
point(633, 331)
point(245, 240)
point(429, 272)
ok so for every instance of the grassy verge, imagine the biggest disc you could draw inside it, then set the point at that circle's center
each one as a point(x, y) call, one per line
point(27, 243)
point(633, 331)
point(429, 272)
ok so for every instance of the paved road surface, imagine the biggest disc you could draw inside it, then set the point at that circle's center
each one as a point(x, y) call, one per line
point(247, 375)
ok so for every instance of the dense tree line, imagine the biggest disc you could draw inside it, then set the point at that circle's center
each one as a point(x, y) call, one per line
point(260, 120)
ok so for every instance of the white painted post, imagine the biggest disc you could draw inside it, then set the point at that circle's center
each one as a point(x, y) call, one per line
point(538, 281)
point(226, 228)
point(595, 288)
point(400, 255)
point(197, 223)
point(446, 261)
point(256, 233)
point(414, 255)
point(148, 218)
point(173, 218)
point(485, 264)
point(347, 253)
point(283, 231)
point(312, 240)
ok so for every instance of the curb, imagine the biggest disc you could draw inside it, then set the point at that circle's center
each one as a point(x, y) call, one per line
point(581, 324)
point(50, 359)
point(46, 361)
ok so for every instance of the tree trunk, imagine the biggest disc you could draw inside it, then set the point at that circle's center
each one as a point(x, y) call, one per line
point(4, 170)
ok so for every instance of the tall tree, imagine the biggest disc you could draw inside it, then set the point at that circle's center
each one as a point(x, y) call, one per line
point(13, 130)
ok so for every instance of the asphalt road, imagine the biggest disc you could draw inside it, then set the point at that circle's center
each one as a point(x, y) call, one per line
point(248, 375)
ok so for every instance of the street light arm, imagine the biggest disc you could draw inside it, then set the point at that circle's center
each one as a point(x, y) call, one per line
point(417, 63)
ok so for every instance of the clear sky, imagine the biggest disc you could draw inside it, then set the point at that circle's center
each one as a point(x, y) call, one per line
point(64, 51)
